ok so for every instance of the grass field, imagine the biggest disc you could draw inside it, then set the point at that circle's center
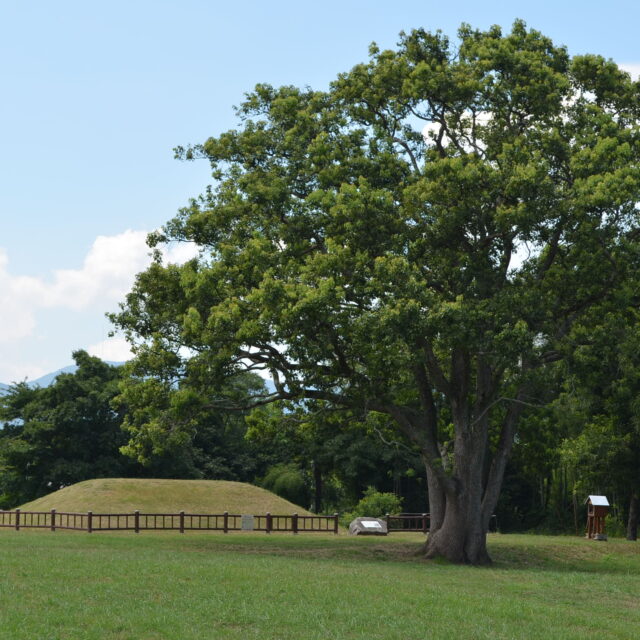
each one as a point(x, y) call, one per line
point(63, 585)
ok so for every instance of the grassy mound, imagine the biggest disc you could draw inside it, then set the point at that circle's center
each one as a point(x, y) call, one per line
point(117, 495)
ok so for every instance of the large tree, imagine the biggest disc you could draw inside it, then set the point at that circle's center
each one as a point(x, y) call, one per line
point(416, 241)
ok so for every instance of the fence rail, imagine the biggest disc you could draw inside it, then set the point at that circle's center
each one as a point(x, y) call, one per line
point(421, 522)
point(225, 522)
point(408, 522)
point(181, 522)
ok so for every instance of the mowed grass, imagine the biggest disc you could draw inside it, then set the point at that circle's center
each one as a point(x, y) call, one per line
point(65, 585)
point(122, 495)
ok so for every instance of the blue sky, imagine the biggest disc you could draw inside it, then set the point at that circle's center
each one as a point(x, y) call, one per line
point(97, 94)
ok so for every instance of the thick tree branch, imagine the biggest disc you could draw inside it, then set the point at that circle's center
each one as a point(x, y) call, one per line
point(407, 148)
point(433, 367)
point(499, 462)
point(552, 252)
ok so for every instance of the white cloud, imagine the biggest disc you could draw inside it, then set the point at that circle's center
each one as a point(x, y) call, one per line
point(16, 317)
point(106, 274)
point(180, 253)
point(17, 372)
point(633, 68)
point(114, 349)
point(105, 277)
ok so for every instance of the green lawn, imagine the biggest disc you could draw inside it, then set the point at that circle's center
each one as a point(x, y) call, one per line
point(67, 585)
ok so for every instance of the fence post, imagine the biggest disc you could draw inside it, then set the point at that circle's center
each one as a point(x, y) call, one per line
point(225, 522)
point(335, 523)
point(269, 524)
point(53, 519)
point(17, 519)
point(294, 522)
point(90, 521)
point(424, 523)
point(182, 522)
point(388, 519)
point(136, 521)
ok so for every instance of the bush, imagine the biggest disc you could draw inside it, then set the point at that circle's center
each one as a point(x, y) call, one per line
point(287, 481)
point(615, 527)
point(374, 504)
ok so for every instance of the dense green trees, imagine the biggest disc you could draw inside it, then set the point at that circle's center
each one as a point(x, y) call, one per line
point(600, 401)
point(420, 240)
point(338, 453)
point(61, 434)
point(175, 428)
point(79, 428)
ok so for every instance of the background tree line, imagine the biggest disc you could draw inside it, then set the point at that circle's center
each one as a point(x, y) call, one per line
point(584, 440)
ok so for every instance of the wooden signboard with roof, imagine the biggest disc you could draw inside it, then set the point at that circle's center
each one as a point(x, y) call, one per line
point(597, 509)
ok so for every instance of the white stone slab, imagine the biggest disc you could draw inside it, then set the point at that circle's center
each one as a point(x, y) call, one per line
point(368, 527)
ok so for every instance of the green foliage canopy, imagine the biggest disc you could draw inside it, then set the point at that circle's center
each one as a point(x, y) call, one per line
point(58, 435)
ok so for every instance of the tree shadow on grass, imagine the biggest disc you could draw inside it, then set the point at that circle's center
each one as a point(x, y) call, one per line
point(581, 556)
point(544, 554)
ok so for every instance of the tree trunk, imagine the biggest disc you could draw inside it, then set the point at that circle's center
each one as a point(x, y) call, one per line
point(317, 488)
point(464, 489)
point(632, 523)
point(437, 500)
point(462, 537)
point(462, 534)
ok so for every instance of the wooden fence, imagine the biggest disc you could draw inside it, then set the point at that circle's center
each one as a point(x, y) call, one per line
point(408, 522)
point(181, 522)
point(225, 522)
point(421, 522)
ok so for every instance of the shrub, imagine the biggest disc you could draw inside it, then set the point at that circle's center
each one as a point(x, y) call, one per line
point(374, 504)
point(287, 481)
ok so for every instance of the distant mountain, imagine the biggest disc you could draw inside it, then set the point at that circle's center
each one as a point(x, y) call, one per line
point(47, 379)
